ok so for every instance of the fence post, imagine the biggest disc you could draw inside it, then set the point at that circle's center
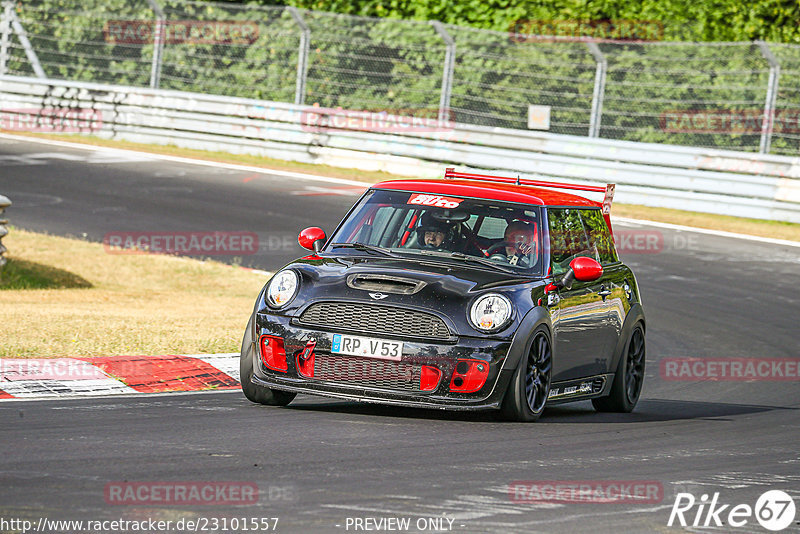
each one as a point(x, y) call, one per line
point(599, 90)
point(302, 56)
point(5, 35)
point(159, 36)
point(447, 74)
point(768, 122)
point(22, 35)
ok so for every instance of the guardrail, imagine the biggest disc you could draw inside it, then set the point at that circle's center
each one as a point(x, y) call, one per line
point(4, 203)
point(699, 179)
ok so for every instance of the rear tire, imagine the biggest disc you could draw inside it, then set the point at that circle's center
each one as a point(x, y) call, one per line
point(629, 377)
point(253, 392)
point(527, 393)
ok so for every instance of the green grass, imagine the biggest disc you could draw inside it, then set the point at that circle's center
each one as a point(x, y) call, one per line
point(24, 274)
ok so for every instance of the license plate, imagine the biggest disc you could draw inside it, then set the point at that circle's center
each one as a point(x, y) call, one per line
point(367, 347)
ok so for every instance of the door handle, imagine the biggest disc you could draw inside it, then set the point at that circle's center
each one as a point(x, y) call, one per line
point(604, 292)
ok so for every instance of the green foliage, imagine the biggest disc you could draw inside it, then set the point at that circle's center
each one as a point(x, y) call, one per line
point(683, 20)
point(396, 65)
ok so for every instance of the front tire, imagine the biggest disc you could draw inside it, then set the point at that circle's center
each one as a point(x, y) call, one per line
point(253, 392)
point(527, 393)
point(629, 377)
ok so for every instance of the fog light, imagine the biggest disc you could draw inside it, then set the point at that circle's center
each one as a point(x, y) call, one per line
point(429, 378)
point(305, 360)
point(469, 376)
point(273, 355)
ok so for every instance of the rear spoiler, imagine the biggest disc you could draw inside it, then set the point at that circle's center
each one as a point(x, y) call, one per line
point(450, 173)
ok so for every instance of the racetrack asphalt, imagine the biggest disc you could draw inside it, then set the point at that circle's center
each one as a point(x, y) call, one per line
point(319, 462)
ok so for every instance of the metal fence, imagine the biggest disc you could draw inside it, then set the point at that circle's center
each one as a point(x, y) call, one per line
point(689, 178)
point(4, 203)
point(742, 96)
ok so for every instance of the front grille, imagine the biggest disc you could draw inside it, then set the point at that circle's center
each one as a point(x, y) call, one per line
point(374, 319)
point(365, 372)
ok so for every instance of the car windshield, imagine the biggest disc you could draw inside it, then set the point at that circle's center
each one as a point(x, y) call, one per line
point(491, 233)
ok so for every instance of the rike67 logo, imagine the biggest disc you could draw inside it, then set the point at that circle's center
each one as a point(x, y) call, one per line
point(774, 510)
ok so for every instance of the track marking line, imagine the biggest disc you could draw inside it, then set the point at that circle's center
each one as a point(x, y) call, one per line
point(190, 161)
point(720, 233)
point(342, 181)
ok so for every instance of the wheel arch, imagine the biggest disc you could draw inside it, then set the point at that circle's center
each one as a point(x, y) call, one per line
point(523, 338)
point(635, 315)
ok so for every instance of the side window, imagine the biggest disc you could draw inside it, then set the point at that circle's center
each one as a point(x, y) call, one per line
point(599, 237)
point(568, 239)
point(376, 229)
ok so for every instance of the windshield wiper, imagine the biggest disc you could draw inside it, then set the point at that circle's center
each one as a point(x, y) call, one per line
point(366, 248)
point(465, 257)
point(483, 261)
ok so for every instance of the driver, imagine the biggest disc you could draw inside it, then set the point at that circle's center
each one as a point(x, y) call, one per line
point(432, 233)
point(520, 239)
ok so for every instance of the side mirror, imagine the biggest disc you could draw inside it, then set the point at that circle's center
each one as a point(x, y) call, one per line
point(312, 238)
point(586, 269)
point(583, 269)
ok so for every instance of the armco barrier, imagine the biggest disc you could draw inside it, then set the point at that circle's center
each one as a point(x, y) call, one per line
point(4, 203)
point(698, 179)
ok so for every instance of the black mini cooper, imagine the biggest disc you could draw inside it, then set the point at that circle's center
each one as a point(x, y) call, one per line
point(471, 292)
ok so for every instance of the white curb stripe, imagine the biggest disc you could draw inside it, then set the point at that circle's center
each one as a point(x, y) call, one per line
point(190, 161)
point(64, 388)
point(22, 387)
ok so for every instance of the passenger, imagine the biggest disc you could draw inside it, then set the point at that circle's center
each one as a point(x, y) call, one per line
point(520, 239)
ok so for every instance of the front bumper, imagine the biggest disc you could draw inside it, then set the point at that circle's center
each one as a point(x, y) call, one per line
point(443, 355)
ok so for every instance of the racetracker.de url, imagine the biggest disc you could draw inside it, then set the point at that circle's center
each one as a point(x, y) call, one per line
point(219, 525)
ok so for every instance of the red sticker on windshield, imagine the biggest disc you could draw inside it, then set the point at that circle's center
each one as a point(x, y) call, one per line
point(434, 200)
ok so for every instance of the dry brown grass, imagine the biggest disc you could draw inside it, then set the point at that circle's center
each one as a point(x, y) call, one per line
point(105, 304)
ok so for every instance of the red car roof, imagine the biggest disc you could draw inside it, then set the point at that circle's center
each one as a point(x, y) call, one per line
point(522, 194)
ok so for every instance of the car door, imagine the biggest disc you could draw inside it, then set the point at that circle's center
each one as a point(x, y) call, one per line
point(581, 327)
point(612, 283)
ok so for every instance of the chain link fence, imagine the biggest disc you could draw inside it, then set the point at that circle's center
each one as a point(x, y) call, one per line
point(741, 96)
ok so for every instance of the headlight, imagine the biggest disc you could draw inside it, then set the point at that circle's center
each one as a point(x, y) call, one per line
point(490, 312)
point(282, 288)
